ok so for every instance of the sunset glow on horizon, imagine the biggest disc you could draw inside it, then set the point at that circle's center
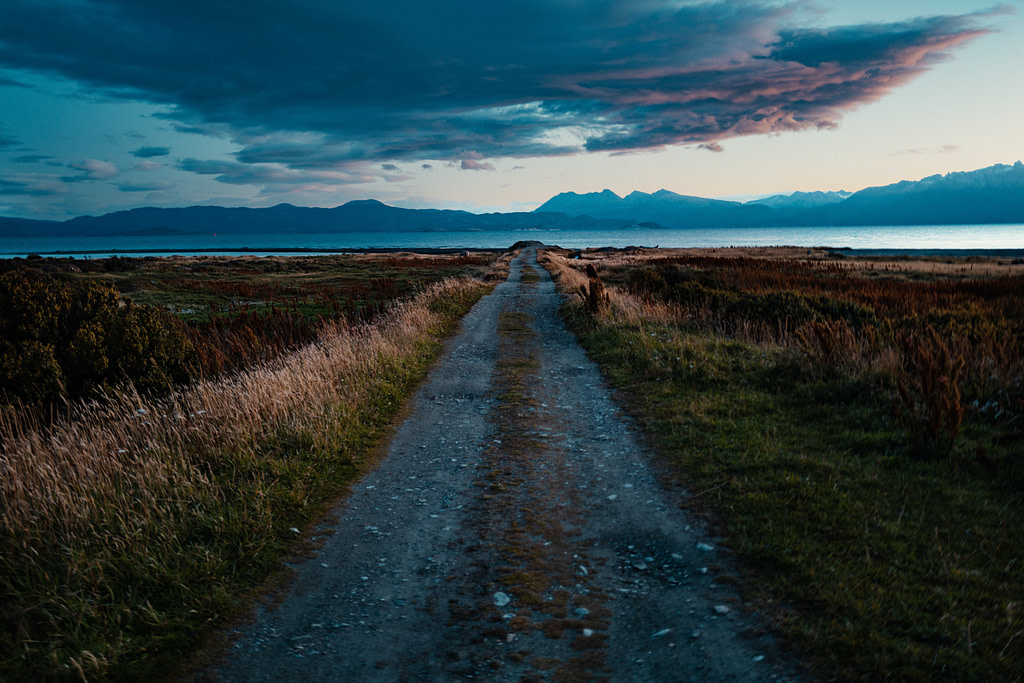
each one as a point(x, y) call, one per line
point(112, 104)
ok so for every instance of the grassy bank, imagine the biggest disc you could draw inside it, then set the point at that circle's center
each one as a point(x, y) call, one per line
point(131, 529)
point(811, 414)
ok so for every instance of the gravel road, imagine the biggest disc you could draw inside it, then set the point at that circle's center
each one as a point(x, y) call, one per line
point(516, 530)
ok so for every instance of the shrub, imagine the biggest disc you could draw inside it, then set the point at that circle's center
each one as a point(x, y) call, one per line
point(63, 339)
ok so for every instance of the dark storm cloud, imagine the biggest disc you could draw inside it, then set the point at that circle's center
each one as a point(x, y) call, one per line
point(150, 152)
point(32, 158)
point(318, 86)
point(155, 186)
point(236, 173)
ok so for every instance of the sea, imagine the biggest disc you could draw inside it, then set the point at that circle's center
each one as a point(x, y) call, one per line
point(1004, 240)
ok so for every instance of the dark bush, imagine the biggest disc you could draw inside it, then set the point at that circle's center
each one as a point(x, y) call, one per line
point(72, 339)
point(646, 282)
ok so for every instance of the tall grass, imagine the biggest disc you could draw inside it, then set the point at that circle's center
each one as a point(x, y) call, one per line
point(802, 444)
point(129, 528)
point(933, 346)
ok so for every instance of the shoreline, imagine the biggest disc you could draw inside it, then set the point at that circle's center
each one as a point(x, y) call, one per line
point(991, 253)
point(788, 250)
point(232, 252)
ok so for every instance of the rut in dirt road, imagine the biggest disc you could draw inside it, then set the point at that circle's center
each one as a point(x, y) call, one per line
point(515, 531)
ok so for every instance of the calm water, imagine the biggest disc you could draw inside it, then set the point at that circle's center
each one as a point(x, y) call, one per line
point(897, 238)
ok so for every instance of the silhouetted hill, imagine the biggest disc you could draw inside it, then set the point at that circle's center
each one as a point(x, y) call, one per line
point(357, 216)
point(662, 207)
point(989, 195)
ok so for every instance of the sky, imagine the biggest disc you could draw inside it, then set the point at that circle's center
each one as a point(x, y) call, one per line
point(107, 105)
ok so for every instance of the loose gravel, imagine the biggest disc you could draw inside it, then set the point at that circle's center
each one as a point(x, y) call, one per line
point(516, 530)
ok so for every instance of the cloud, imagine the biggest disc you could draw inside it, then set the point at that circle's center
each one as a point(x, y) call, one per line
point(944, 149)
point(148, 166)
point(155, 186)
point(92, 169)
point(32, 158)
point(474, 165)
point(274, 176)
point(31, 185)
point(393, 174)
point(150, 152)
point(310, 86)
point(711, 147)
point(5, 140)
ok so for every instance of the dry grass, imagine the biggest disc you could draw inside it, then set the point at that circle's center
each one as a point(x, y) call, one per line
point(104, 445)
point(892, 266)
point(859, 316)
point(499, 269)
point(113, 521)
point(864, 464)
point(570, 275)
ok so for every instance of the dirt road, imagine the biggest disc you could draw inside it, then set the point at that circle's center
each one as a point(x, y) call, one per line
point(515, 531)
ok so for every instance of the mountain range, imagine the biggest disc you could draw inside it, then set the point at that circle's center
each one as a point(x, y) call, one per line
point(989, 195)
point(364, 215)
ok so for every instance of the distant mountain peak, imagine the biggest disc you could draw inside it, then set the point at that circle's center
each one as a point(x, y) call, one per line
point(365, 202)
point(803, 199)
point(989, 195)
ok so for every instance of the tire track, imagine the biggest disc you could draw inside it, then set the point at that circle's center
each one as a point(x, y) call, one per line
point(515, 531)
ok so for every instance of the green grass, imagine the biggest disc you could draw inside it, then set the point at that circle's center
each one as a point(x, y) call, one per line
point(200, 287)
point(529, 275)
point(127, 590)
point(875, 564)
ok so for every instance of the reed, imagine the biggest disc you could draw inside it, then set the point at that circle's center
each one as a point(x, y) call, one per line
point(130, 527)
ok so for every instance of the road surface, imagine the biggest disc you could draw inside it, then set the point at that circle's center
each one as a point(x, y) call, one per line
point(516, 530)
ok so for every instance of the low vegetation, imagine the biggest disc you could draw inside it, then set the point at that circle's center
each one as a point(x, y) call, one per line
point(65, 339)
point(853, 431)
point(134, 525)
point(231, 312)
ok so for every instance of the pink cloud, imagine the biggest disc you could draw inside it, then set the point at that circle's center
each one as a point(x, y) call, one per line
point(474, 165)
